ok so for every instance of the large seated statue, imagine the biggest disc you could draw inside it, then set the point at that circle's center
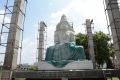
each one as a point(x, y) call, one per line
point(65, 50)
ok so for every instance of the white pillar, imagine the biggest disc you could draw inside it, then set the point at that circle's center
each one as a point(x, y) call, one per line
point(90, 41)
point(12, 48)
point(114, 21)
point(41, 45)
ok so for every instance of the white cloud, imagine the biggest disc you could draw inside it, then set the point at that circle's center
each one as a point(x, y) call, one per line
point(1, 16)
point(7, 19)
point(79, 10)
point(29, 51)
point(3, 37)
point(50, 34)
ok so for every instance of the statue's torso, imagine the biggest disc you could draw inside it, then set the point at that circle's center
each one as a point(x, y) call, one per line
point(62, 37)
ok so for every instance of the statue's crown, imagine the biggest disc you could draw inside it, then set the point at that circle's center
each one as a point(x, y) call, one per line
point(63, 18)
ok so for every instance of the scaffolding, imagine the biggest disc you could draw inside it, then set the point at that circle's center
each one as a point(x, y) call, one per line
point(41, 41)
point(5, 29)
point(112, 13)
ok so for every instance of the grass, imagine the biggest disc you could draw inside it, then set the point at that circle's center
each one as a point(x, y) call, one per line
point(114, 78)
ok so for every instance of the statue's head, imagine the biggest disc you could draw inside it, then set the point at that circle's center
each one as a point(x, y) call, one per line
point(64, 25)
point(64, 32)
point(63, 18)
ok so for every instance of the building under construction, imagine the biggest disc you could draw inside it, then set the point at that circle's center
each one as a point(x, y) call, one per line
point(13, 46)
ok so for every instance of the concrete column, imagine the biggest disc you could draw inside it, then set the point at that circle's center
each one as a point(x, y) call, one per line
point(41, 45)
point(114, 21)
point(6, 75)
point(10, 61)
point(90, 41)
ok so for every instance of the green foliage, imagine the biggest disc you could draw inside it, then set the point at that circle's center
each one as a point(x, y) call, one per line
point(101, 47)
point(81, 39)
point(103, 50)
point(111, 50)
point(33, 68)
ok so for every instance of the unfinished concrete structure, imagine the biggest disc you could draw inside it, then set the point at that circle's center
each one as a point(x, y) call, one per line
point(113, 14)
point(90, 40)
point(41, 40)
point(17, 21)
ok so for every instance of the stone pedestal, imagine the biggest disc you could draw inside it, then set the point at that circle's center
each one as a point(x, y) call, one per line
point(75, 65)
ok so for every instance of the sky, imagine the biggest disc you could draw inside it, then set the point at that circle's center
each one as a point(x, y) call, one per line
point(50, 11)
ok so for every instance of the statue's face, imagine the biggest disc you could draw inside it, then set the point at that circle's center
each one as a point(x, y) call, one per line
point(64, 27)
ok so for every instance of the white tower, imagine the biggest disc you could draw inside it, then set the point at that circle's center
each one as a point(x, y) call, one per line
point(41, 41)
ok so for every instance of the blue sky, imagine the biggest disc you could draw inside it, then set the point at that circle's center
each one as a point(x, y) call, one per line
point(50, 11)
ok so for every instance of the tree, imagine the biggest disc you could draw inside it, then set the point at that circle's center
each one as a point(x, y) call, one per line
point(101, 47)
point(81, 39)
point(33, 68)
point(103, 50)
point(110, 64)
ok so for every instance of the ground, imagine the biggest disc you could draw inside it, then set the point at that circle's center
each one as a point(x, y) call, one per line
point(115, 78)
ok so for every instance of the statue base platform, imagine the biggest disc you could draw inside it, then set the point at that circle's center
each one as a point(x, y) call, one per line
point(75, 65)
